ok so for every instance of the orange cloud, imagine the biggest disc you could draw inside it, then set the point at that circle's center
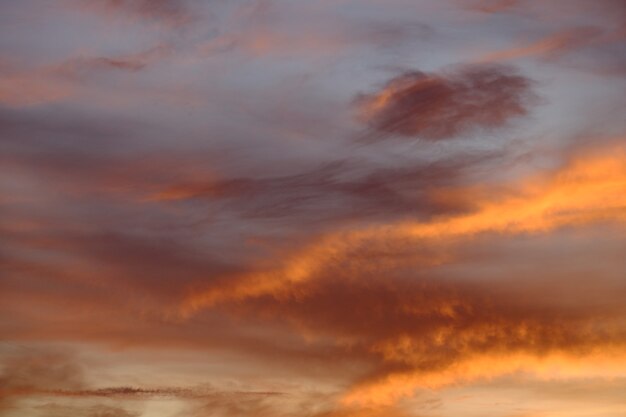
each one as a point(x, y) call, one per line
point(602, 363)
point(427, 333)
point(588, 189)
point(423, 331)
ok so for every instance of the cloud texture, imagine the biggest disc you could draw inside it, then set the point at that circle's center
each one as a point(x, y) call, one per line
point(318, 209)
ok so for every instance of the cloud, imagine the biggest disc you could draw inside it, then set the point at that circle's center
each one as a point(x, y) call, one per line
point(492, 6)
point(588, 48)
point(445, 105)
point(24, 89)
point(57, 375)
point(346, 190)
point(304, 404)
point(50, 370)
point(424, 330)
point(80, 160)
point(238, 405)
point(430, 331)
point(364, 412)
point(552, 45)
point(132, 62)
point(33, 371)
point(71, 78)
point(137, 393)
point(587, 37)
point(606, 361)
point(268, 29)
point(176, 215)
point(98, 410)
point(170, 12)
point(110, 270)
point(585, 190)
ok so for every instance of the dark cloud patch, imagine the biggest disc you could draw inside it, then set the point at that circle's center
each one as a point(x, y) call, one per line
point(161, 392)
point(340, 191)
point(437, 106)
point(91, 161)
point(169, 392)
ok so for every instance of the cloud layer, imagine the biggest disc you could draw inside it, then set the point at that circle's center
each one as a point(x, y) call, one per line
point(283, 208)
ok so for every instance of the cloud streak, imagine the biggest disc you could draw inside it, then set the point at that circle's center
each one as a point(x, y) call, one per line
point(584, 191)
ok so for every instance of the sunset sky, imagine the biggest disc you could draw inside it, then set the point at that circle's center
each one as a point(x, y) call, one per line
point(313, 208)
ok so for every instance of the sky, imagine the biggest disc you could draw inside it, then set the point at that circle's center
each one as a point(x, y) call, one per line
point(331, 208)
